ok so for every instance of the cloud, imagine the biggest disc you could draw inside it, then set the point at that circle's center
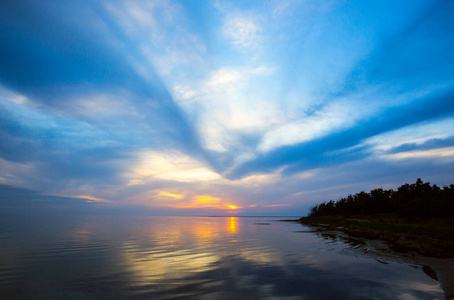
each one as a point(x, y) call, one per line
point(15, 200)
point(70, 60)
point(74, 106)
point(429, 144)
point(244, 32)
point(222, 102)
point(17, 174)
point(162, 102)
point(56, 147)
point(311, 153)
point(91, 198)
point(447, 152)
point(171, 166)
point(168, 195)
point(200, 204)
point(161, 32)
point(331, 118)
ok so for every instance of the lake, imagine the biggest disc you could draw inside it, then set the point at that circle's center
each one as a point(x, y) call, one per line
point(130, 257)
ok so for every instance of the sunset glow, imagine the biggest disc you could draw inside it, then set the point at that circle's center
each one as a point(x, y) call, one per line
point(187, 149)
point(221, 107)
point(207, 199)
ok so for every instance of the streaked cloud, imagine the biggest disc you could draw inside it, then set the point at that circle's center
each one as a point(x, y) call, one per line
point(170, 195)
point(432, 153)
point(91, 198)
point(331, 118)
point(174, 107)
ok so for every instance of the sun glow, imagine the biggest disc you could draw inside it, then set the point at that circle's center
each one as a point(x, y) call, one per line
point(180, 201)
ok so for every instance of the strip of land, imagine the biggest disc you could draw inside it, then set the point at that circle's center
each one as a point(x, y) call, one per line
point(416, 217)
point(434, 238)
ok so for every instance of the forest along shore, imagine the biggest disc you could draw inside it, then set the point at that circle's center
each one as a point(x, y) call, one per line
point(416, 217)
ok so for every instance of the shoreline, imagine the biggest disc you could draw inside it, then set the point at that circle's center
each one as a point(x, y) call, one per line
point(436, 257)
point(397, 241)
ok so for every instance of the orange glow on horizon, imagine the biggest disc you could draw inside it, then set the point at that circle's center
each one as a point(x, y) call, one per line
point(204, 203)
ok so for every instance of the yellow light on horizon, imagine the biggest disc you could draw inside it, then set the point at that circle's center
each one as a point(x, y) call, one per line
point(232, 207)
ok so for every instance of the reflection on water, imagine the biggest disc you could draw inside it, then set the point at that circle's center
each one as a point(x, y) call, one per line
point(100, 257)
point(232, 225)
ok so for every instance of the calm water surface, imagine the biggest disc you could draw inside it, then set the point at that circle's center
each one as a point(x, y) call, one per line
point(111, 257)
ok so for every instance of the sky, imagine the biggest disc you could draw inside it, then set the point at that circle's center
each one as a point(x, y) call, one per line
point(220, 107)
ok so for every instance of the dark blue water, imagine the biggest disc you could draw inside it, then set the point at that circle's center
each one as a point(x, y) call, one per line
point(111, 257)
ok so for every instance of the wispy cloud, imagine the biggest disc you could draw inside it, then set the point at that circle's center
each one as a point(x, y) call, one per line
point(222, 104)
point(310, 154)
point(329, 119)
point(427, 145)
point(210, 104)
point(447, 152)
point(244, 32)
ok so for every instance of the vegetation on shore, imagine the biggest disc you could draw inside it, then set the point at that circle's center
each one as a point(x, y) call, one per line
point(417, 201)
point(417, 216)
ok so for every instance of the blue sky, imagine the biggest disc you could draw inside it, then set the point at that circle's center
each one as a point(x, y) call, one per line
point(221, 107)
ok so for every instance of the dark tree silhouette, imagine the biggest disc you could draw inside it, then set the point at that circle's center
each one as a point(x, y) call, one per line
point(418, 200)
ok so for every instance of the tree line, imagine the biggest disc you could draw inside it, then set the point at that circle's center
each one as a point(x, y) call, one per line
point(417, 200)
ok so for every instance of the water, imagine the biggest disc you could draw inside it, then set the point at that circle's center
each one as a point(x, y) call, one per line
point(111, 257)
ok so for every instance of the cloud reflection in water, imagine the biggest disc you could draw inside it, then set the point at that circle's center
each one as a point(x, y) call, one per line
point(195, 258)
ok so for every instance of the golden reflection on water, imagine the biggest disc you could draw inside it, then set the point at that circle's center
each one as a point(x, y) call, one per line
point(176, 249)
point(204, 233)
point(233, 225)
point(180, 257)
point(160, 265)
